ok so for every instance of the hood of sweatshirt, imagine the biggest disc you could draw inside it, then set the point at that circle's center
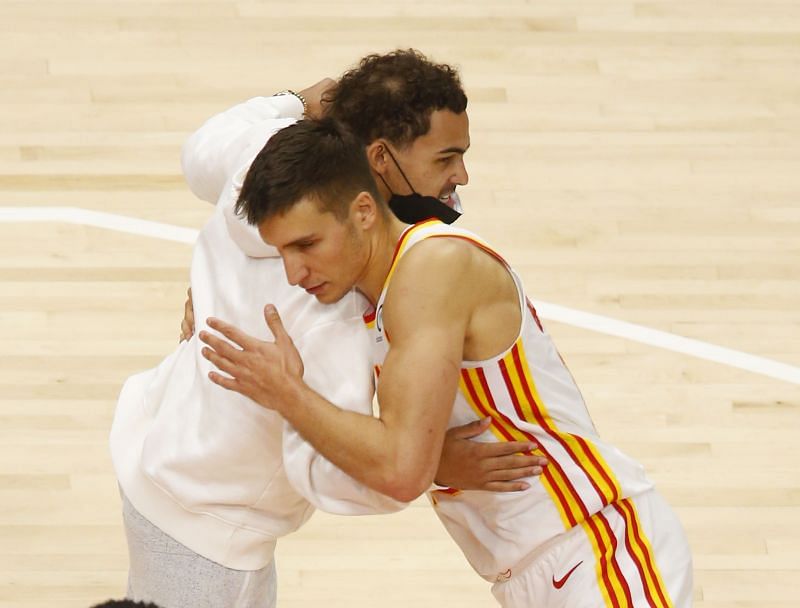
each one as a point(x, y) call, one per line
point(243, 234)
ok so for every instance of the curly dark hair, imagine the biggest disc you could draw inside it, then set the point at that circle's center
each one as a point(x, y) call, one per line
point(393, 96)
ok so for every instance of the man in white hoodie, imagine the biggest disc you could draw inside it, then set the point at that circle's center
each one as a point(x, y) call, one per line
point(209, 479)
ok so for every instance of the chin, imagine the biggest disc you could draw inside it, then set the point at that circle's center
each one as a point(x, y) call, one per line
point(330, 297)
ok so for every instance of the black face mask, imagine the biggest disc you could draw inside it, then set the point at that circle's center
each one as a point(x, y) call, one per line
point(414, 208)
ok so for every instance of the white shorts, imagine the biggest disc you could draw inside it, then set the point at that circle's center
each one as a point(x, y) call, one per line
point(632, 554)
point(167, 573)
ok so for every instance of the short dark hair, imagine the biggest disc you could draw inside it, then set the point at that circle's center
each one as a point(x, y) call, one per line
point(319, 159)
point(393, 96)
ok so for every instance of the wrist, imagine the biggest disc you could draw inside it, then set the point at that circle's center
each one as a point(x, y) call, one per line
point(293, 399)
point(298, 96)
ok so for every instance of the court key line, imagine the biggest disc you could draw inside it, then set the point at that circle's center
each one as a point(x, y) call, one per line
point(546, 310)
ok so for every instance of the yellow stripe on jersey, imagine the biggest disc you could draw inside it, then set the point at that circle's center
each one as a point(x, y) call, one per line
point(402, 245)
point(553, 478)
point(601, 567)
point(532, 408)
point(642, 554)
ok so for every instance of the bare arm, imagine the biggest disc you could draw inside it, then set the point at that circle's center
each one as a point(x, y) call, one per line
point(337, 366)
point(397, 454)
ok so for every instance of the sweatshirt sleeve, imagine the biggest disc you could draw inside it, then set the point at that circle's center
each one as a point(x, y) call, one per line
point(337, 366)
point(230, 140)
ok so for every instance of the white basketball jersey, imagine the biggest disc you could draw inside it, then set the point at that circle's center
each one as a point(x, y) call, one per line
point(529, 395)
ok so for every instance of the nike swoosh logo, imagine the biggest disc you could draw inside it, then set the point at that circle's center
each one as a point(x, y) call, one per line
point(560, 582)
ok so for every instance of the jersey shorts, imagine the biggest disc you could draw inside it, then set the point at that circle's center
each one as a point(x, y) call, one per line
point(632, 564)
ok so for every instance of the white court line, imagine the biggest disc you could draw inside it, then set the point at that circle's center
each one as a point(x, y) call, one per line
point(98, 219)
point(552, 312)
point(668, 341)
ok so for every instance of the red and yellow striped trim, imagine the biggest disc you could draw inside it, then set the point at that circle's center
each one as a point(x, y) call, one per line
point(536, 317)
point(401, 246)
point(530, 407)
point(642, 555)
point(613, 586)
point(475, 388)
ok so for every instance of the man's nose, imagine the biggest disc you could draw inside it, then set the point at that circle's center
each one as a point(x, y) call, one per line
point(296, 271)
point(460, 177)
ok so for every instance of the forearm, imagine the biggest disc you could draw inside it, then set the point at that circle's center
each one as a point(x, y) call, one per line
point(396, 455)
point(230, 139)
point(325, 485)
point(372, 452)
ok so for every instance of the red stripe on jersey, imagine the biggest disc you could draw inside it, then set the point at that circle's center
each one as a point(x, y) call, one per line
point(606, 500)
point(482, 407)
point(502, 423)
point(603, 550)
point(552, 462)
point(614, 563)
point(554, 433)
point(542, 421)
point(634, 557)
point(535, 316)
point(626, 507)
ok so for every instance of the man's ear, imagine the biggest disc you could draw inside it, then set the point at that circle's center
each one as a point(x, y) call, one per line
point(378, 157)
point(364, 210)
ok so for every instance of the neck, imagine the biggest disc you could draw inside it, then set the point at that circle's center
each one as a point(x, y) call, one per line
point(382, 246)
point(383, 187)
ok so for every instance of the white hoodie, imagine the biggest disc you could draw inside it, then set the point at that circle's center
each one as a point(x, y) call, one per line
point(209, 467)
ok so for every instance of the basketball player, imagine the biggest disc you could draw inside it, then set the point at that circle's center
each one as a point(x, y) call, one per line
point(209, 480)
point(455, 339)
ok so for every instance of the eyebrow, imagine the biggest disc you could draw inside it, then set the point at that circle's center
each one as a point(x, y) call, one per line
point(298, 240)
point(455, 149)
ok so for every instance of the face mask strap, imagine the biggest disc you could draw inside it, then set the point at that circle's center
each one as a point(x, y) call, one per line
point(399, 168)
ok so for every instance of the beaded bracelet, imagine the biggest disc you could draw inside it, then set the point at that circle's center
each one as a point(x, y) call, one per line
point(298, 95)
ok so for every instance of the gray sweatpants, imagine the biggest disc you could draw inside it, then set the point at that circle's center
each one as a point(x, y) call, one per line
point(165, 572)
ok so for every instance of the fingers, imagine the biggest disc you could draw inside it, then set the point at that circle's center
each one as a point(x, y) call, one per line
point(234, 334)
point(228, 383)
point(186, 330)
point(506, 486)
point(506, 448)
point(187, 324)
point(221, 348)
point(516, 461)
point(275, 324)
point(188, 310)
point(514, 474)
point(470, 430)
point(222, 363)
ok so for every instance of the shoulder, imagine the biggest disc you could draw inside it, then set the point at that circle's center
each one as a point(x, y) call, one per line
point(433, 278)
point(444, 257)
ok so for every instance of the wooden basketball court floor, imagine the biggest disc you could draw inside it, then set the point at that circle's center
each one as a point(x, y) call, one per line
point(639, 161)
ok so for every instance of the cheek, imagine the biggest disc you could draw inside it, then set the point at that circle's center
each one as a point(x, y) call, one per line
point(436, 178)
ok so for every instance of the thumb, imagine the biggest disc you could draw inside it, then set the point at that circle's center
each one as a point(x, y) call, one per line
point(275, 324)
point(471, 429)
